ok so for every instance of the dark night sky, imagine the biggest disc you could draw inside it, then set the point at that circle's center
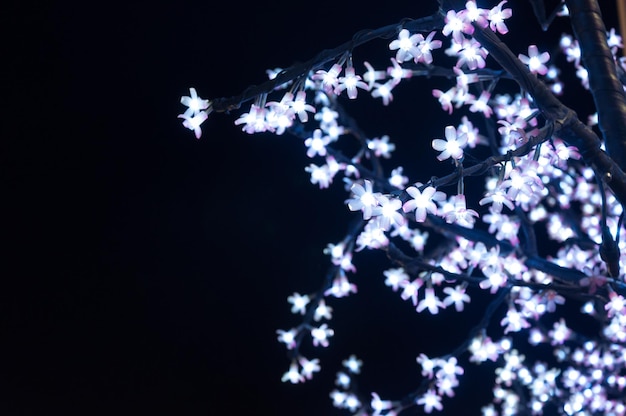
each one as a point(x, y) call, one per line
point(148, 271)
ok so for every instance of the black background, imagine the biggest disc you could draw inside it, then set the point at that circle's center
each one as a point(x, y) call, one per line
point(147, 271)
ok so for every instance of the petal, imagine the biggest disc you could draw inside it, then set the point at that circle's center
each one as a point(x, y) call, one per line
point(450, 133)
point(413, 191)
point(439, 144)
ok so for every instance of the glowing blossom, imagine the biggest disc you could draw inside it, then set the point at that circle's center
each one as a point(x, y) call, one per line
point(422, 202)
point(452, 146)
point(535, 61)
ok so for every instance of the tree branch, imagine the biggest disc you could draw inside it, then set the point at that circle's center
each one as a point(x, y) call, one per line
point(573, 131)
point(298, 70)
point(607, 90)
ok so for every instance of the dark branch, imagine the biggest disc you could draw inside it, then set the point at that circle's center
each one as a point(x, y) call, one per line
point(298, 70)
point(607, 90)
point(573, 131)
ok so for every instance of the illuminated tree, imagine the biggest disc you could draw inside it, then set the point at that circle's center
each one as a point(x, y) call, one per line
point(527, 215)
